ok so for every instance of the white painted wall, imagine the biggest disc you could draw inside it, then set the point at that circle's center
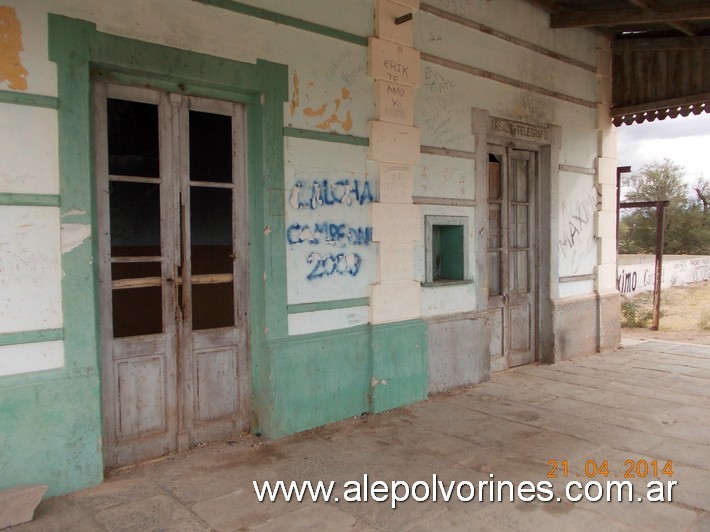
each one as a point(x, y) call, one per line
point(25, 358)
point(23, 170)
point(324, 67)
point(456, 42)
point(528, 23)
point(329, 188)
point(30, 271)
point(327, 320)
point(577, 243)
point(443, 111)
point(637, 273)
point(439, 176)
point(30, 265)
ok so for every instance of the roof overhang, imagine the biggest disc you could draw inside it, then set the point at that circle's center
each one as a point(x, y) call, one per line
point(661, 52)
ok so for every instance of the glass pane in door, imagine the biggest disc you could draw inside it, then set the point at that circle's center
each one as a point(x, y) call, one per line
point(133, 139)
point(212, 257)
point(134, 218)
point(494, 269)
point(210, 147)
point(518, 271)
point(519, 180)
point(136, 299)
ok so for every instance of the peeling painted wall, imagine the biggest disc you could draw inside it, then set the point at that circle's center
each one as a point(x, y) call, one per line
point(329, 190)
point(30, 273)
point(443, 112)
point(30, 265)
point(12, 71)
point(331, 92)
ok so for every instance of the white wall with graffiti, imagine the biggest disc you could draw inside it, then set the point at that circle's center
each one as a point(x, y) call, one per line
point(637, 273)
point(577, 243)
point(330, 253)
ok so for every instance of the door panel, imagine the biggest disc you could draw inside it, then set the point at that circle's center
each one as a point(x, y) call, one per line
point(141, 396)
point(520, 328)
point(511, 256)
point(498, 359)
point(172, 177)
point(216, 387)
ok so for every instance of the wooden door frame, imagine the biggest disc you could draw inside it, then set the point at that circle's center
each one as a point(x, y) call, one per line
point(546, 141)
point(102, 91)
point(502, 300)
point(240, 271)
point(180, 379)
point(533, 242)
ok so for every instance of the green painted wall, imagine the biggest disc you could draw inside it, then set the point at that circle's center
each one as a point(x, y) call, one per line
point(325, 377)
point(51, 431)
point(317, 379)
point(399, 354)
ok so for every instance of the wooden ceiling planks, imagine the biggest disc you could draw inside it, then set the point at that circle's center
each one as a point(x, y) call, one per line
point(661, 52)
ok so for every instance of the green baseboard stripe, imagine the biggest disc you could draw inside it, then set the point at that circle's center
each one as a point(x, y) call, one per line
point(317, 379)
point(33, 100)
point(286, 20)
point(400, 364)
point(325, 137)
point(40, 421)
point(30, 200)
point(30, 337)
point(328, 305)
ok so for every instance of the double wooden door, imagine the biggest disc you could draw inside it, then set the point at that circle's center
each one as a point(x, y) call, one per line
point(512, 259)
point(171, 190)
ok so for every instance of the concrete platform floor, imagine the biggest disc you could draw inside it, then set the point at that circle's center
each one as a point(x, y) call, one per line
point(648, 401)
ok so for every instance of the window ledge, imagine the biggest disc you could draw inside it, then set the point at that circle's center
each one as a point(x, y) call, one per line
point(447, 282)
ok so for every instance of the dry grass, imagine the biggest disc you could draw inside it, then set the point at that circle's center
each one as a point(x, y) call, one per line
point(685, 314)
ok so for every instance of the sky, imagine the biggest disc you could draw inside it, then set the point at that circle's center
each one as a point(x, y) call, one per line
point(683, 140)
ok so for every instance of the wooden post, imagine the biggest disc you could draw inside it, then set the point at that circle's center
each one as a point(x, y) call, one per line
point(619, 170)
point(660, 230)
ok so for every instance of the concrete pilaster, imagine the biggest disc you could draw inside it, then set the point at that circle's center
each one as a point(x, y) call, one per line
point(395, 144)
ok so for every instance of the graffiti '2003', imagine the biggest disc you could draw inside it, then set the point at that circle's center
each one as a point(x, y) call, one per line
point(327, 265)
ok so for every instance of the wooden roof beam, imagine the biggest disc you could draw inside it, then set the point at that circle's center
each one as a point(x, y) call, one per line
point(615, 17)
point(546, 5)
point(664, 43)
point(684, 27)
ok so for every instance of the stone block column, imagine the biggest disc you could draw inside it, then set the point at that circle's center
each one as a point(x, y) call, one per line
point(605, 229)
point(394, 143)
point(398, 342)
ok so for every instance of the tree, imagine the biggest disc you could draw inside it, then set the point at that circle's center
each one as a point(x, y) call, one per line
point(657, 182)
point(687, 230)
point(702, 189)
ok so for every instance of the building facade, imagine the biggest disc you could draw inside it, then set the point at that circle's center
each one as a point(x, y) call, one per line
point(220, 217)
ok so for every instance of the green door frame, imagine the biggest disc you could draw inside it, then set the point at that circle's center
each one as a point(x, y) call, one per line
point(82, 53)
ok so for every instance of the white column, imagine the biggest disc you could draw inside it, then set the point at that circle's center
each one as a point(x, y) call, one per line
point(394, 143)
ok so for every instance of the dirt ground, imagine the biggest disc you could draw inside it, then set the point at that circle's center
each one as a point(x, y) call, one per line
point(682, 309)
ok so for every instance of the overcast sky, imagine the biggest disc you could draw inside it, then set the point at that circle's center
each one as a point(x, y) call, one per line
point(685, 141)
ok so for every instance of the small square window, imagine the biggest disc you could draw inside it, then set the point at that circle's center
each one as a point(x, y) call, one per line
point(446, 249)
